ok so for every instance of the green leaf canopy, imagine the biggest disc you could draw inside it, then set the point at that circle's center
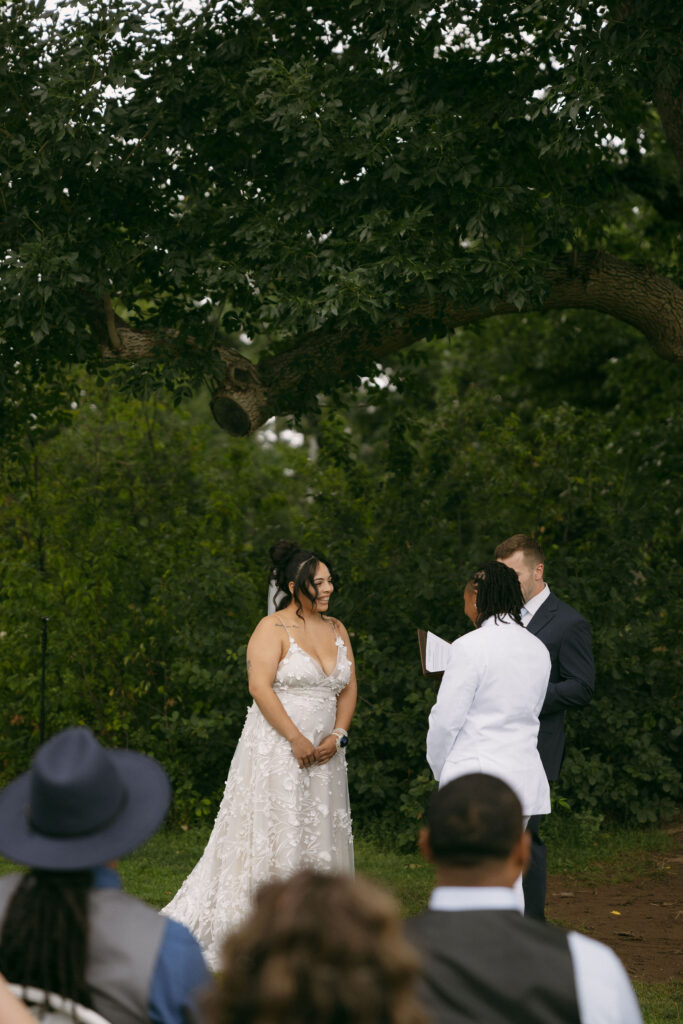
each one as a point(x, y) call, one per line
point(331, 181)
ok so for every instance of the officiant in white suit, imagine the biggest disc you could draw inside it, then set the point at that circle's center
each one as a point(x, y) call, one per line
point(486, 714)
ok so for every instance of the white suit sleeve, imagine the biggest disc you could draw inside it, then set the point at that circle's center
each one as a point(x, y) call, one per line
point(454, 699)
point(603, 988)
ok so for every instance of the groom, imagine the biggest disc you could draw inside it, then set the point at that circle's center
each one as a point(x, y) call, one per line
point(567, 636)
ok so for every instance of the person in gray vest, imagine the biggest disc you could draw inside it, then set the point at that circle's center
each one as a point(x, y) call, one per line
point(483, 962)
point(66, 926)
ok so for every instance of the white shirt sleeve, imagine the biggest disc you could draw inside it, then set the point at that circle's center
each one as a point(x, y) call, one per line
point(446, 719)
point(603, 988)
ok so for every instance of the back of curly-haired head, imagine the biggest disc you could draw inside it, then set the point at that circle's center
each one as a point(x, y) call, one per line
point(498, 592)
point(318, 949)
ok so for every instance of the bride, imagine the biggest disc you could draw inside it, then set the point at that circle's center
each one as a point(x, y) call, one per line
point(286, 801)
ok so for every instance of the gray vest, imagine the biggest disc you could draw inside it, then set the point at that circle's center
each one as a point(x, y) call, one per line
point(493, 967)
point(124, 940)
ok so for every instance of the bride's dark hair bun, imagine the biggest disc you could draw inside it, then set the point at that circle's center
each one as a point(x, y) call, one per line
point(280, 556)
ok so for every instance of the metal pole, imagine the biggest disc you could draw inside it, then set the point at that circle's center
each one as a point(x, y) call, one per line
point(43, 645)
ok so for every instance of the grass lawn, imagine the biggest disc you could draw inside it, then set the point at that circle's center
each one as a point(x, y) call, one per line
point(154, 872)
point(607, 856)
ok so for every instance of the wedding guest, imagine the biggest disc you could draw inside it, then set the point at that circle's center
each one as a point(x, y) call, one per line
point(483, 962)
point(567, 636)
point(318, 949)
point(66, 926)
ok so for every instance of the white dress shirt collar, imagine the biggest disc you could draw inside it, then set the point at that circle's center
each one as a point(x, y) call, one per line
point(533, 604)
point(473, 897)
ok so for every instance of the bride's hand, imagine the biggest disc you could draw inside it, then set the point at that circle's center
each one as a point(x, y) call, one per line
point(303, 751)
point(326, 749)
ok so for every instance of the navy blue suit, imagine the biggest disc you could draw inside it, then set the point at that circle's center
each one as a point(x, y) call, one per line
point(567, 636)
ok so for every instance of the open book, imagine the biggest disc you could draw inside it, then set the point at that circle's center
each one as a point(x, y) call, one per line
point(434, 653)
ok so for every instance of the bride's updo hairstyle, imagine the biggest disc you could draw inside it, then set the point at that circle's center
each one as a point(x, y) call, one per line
point(291, 564)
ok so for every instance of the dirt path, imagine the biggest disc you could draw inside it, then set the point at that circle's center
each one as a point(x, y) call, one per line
point(642, 920)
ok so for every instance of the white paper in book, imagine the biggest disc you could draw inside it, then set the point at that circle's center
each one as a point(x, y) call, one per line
point(437, 653)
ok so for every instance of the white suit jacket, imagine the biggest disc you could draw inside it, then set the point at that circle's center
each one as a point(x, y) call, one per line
point(486, 714)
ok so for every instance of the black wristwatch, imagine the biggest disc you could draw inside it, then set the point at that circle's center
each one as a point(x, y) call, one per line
point(342, 737)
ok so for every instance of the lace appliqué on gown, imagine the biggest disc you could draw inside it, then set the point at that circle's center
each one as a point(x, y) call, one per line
point(275, 817)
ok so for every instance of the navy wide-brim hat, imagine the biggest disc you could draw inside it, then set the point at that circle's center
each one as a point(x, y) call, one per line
point(81, 805)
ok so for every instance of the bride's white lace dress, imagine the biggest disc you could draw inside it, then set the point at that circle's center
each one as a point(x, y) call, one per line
point(274, 817)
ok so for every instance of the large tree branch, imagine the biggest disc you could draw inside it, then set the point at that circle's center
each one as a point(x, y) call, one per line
point(120, 341)
point(636, 295)
point(287, 382)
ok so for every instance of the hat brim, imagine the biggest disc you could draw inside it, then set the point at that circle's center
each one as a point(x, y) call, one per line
point(148, 795)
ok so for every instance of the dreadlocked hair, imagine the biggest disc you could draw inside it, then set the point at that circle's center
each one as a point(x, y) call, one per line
point(498, 592)
point(44, 937)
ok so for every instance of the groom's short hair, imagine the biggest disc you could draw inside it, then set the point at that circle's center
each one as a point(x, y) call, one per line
point(529, 547)
point(473, 818)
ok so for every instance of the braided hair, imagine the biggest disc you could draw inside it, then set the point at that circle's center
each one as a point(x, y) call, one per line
point(498, 592)
point(291, 564)
point(44, 936)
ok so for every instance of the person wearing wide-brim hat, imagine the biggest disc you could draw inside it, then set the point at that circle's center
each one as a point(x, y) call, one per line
point(66, 926)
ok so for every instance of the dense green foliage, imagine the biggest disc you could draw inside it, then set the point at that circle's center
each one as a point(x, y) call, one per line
point(498, 439)
point(142, 533)
point(338, 178)
point(137, 540)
